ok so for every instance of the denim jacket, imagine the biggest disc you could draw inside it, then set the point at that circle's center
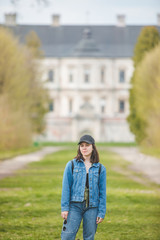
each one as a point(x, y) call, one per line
point(74, 186)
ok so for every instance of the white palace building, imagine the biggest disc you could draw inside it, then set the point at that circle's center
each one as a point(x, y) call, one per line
point(88, 71)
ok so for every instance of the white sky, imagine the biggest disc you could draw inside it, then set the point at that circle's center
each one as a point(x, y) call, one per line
point(138, 12)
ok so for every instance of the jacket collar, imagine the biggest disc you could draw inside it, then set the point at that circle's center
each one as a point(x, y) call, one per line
point(94, 164)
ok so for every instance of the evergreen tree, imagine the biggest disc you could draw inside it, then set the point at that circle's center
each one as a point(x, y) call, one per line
point(147, 40)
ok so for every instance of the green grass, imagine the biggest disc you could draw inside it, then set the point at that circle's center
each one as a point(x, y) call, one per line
point(107, 144)
point(30, 202)
point(155, 152)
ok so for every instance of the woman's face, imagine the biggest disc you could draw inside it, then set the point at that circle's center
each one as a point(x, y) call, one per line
point(86, 149)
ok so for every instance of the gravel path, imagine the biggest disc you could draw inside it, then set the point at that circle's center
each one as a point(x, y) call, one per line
point(149, 166)
point(8, 167)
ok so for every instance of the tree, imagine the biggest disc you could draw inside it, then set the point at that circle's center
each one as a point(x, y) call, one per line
point(37, 92)
point(23, 100)
point(147, 95)
point(15, 127)
point(34, 44)
point(147, 40)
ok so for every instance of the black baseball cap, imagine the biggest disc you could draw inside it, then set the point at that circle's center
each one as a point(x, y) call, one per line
point(87, 138)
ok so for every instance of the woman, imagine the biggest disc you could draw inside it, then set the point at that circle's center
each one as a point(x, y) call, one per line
point(83, 192)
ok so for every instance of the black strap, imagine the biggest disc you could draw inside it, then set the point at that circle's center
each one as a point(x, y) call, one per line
point(100, 166)
point(72, 166)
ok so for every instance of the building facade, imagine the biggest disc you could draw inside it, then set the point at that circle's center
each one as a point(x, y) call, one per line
point(88, 95)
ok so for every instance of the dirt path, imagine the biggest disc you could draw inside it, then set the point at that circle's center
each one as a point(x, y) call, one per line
point(145, 164)
point(8, 167)
point(149, 166)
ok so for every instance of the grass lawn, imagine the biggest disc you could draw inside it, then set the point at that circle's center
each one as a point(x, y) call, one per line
point(30, 202)
point(155, 152)
point(103, 144)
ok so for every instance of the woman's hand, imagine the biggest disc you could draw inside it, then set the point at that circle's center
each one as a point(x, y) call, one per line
point(64, 215)
point(99, 220)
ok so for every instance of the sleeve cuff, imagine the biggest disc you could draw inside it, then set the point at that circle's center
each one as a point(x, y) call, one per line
point(101, 215)
point(63, 209)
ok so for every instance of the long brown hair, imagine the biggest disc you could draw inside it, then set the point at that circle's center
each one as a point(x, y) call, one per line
point(94, 155)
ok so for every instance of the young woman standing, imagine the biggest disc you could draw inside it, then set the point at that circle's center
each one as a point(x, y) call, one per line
point(83, 192)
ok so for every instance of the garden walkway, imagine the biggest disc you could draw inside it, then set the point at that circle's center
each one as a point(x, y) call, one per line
point(9, 166)
point(149, 166)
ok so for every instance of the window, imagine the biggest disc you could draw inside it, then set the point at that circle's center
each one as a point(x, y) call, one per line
point(121, 76)
point(50, 75)
point(71, 72)
point(70, 106)
point(86, 76)
point(70, 77)
point(121, 106)
point(102, 77)
point(51, 106)
point(102, 109)
point(103, 104)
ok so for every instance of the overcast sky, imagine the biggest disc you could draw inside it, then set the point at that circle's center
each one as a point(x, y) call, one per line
point(138, 12)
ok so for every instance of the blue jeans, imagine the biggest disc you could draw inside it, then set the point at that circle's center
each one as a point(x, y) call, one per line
point(77, 211)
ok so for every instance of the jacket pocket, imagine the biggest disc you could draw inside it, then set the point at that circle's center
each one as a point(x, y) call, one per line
point(77, 171)
point(96, 176)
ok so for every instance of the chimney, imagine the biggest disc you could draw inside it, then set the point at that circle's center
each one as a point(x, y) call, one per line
point(121, 20)
point(10, 19)
point(158, 19)
point(56, 20)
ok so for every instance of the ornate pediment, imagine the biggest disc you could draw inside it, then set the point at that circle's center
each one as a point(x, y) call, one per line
point(87, 111)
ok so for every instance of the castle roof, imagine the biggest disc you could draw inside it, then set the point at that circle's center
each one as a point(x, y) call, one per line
point(82, 41)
